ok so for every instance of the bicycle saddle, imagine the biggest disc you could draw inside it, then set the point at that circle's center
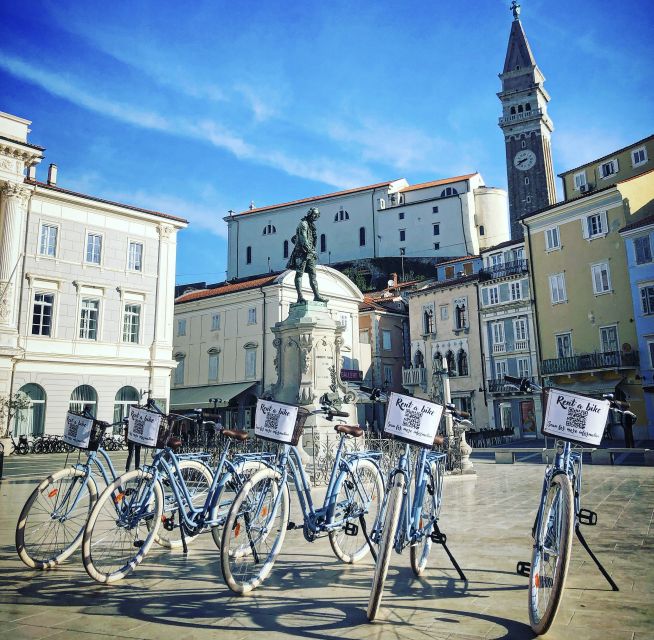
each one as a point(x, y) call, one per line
point(235, 435)
point(438, 440)
point(175, 443)
point(355, 431)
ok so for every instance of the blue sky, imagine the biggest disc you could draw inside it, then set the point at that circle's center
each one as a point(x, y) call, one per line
point(195, 109)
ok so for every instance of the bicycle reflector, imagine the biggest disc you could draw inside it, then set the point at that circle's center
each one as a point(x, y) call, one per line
point(53, 493)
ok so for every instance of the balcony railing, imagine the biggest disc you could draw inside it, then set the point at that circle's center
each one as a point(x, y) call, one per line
point(500, 386)
point(521, 345)
point(414, 377)
point(513, 268)
point(524, 115)
point(499, 348)
point(591, 361)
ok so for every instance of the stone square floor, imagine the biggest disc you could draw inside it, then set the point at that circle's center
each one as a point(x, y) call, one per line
point(311, 595)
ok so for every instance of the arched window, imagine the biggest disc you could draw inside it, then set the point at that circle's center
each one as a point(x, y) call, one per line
point(125, 398)
point(269, 229)
point(449, 191)
point(286, 248)
point(438, 360)
point(462, 362)
point(362, 236)
point(451, 363)
point(31, 421)
point(323, 243)
point(341, 215)
point(178, 375)
point(528, 107)
point(213, 364)
point(248, 255)
point(250, 360)
point(418, 359)
point(520, 108)
point(428, 321)
point(83, 397)
point(460, 316)
point(512, 111)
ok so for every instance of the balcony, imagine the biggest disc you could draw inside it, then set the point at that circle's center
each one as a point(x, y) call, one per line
point(414, 377)
point(516, 117)
point(521, 345)
point(591, 362)
point(514, 268)
point(500, 386)
point(499, 348)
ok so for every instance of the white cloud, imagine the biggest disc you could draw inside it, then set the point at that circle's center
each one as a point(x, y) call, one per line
point(578, 145)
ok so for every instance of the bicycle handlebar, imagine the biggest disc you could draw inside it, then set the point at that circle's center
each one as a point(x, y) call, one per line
point(338, 414)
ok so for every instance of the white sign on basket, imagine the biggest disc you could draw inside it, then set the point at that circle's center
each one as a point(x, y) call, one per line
point(143, 426)
point(275, 421)
point(574, 417)
point(77, 431)
point(413, 419)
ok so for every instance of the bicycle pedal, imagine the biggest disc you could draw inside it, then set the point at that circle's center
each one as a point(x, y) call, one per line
point(291, 525)
point(438, 538)
point(138, 543)
point(586, 516)
point(351, 529)
point(523, 569)
point(130, 491)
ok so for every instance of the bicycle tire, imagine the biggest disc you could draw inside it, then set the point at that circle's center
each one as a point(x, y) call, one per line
point(352, 548)
point(56, 540)
point(120, 512)
point(391, 520)
point(247, 533)
point(419, 552)
point(556, 528)
point(198, 479)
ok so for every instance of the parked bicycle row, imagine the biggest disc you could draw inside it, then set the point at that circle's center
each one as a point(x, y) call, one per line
point(55, 443)
point(243, 498)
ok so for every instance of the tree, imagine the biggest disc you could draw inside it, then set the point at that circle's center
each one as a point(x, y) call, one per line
point(10, 405)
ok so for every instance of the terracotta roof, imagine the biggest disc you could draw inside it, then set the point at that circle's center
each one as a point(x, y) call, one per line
point(444, 284)
point(45, 185)
point(641, 223)
point(455, 260)
point(228, 287)
point(502, 245)
point(314, 198)
point(610, 155)
point(436, 183)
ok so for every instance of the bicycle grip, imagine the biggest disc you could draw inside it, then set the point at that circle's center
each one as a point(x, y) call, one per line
point(338, 414)
point(619, 404)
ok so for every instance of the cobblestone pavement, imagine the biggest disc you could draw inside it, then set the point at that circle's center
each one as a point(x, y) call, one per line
point(311, 595)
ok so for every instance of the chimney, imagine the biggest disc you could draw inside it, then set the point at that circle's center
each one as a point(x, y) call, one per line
point(31, 172)
point(52, 175)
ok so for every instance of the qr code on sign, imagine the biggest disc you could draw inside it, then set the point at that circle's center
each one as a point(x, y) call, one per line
point(272, 420)
point(412, 419)
point(576, 418)
point(138, 428)
point(72, 430)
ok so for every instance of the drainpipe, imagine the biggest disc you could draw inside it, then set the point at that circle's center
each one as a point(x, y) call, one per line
point(263, 342)
point(481, 349)
point(374, 233)
point(463, 227)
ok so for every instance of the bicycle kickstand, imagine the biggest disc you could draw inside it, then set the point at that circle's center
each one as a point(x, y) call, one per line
point(603, 571)
point(362, 521)
point(439, 537)
point(184, 545)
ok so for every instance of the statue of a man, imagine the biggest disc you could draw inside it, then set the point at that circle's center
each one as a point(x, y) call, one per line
point(303, 257)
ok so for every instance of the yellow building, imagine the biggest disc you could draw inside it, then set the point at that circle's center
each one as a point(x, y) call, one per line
point(584, 310)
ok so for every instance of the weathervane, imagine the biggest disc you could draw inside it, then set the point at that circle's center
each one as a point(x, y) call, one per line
point(515, 8)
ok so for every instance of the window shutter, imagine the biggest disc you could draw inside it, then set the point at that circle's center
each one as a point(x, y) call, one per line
point(605, 225)
point(584, 228)
point(616, 166)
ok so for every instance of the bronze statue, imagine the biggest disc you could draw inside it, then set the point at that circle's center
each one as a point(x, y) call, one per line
point(303, 257)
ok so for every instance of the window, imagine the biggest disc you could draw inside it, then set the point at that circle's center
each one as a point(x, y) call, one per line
point(400, 215)
point(524, 370)
point(500, 369)
point(444, 313)
point(607, 169)
point(362, 236)
point(418, 359)
point(609, 339)
point(213, 365)
point(557, 288)
point(181, 327)
point(402, 235)
point(42, 314)
point(528, 200)
point(215, 322)
point(248, 255)
point(436, 229)
point(516, 291)
point(564, 345)
point(434, 209)
point(286, 248)
point(84, 397)
point(428, 321)
point(643, 249)
point(493, 295)
point(93, 248)
point(646, 299)
point(386, 340)
point(462, 361)
point(650, 347)
point(526, 179)
point(451, 363)
point(48, 240)
point(595, 225)
point(179, 371)
point(323, 243)
point(481, 230)
point(252, 315)
point(251, 362)
point(497, 330)
point(528, 107)
point(520, 329)
point(135, 256)
point(364, 336)
point(463, 404)
point(552, 239)
point(449, 191)
point(580, 180)
point(449, 272)
point(601, 278)
point(523, 143)
point(31, 420)
point(437, 246)
point(341, 215)
point(496, 259)
point(388, 374)
point(639, 156)
point(269, 229)
point(132, 323)
point(88, 321)
point(460, 316)
point(126, 397)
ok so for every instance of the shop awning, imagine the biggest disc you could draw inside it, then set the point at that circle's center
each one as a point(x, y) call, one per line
point(198, 397)
point(591, 388)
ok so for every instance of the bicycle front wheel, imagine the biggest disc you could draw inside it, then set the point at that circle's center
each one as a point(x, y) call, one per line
point(419, 552)
point(359, 497)
point(391, 520)
point(254, 532)
point(551, 555)
point(52, 521)
point(122, 526)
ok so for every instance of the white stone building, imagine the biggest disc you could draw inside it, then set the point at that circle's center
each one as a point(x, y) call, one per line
point(223, 340)
point(452, 217)
point(87, 292)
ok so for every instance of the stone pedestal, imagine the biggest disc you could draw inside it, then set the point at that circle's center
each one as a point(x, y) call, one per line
point(308, 364)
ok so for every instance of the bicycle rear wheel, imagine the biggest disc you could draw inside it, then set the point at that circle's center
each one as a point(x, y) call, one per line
point(358, 497)
point(254, 532)
point(551, 555)
point(117, 536)
point(419, 552)
point(51, 523)
point(391, 520)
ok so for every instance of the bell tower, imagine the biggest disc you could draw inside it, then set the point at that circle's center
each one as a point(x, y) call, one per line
point(527, 129)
